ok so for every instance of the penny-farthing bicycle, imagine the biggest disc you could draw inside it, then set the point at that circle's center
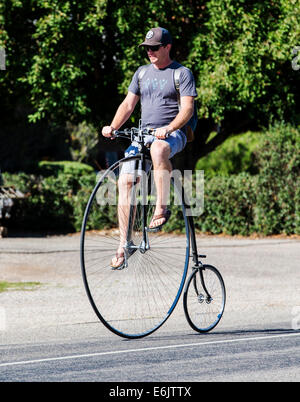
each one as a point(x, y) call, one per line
point(136, 300)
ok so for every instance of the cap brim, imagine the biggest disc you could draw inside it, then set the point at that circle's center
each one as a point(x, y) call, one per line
point(150, 44)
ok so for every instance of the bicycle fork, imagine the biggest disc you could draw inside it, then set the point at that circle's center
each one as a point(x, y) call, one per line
point(197, 263)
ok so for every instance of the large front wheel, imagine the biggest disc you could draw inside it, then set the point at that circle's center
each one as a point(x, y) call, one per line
point(136, 300)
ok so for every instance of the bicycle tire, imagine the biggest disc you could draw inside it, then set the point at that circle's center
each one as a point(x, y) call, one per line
point(202, 313)
point(137, 300)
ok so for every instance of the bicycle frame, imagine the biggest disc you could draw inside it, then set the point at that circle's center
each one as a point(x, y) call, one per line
point(143, 150)
point(195, 256)
point(136, 301)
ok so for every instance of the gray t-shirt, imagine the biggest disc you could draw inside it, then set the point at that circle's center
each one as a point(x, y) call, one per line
point(158, 93)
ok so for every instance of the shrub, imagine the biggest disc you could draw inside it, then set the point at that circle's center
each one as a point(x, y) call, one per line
point(267, 203)
point(50, 202)
point(277, 203)
point(235, 155)
point(77, 169)
point(228, 205)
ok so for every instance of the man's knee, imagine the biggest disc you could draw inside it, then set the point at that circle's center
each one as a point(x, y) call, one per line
point(160, 150)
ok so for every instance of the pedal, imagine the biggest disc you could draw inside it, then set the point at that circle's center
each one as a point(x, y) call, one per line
point(153, 230)
point(201, 256)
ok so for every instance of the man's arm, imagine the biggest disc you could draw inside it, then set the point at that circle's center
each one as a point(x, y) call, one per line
point(184, 115)
point(122, 115)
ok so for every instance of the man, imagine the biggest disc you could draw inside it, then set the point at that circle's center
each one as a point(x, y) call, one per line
point(160, 111)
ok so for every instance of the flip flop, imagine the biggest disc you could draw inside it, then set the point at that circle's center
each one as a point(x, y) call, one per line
point(121, 265)
point(157, 228)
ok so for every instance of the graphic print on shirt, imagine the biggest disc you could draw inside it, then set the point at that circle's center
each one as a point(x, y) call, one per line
point(154, 83)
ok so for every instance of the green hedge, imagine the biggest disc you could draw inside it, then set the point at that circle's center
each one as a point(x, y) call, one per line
point(235, 155)
point(266, 203)
point(278, 196)
point(55, 200)
point(76, 169)
point(228, 205)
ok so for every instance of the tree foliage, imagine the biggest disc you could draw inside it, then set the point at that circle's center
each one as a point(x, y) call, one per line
point(72, 61)
point(242, 58)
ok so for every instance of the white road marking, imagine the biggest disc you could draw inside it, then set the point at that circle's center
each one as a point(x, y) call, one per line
point(116, 352)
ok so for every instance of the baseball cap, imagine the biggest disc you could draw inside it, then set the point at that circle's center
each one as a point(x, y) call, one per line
point(157, 36)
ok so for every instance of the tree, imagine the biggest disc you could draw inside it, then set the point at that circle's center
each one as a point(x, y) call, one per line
point(73, 60)
point(241, 57)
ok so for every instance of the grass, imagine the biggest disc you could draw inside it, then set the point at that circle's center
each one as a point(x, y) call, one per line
point(5, 286)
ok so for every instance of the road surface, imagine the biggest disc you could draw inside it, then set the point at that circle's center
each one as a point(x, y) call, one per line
point(50, 332)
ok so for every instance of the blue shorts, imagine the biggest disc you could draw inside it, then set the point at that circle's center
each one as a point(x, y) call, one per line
point(176, 140)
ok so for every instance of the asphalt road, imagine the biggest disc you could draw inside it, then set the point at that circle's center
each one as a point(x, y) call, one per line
point(52, 334)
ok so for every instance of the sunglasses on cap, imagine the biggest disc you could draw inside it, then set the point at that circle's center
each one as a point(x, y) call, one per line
point(153, 48)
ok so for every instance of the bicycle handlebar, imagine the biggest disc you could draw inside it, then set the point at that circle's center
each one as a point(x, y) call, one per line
point(137, 134)
point(129, 132)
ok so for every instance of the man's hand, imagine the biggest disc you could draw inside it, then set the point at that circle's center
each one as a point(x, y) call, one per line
point(162, 132)
point(107, 132)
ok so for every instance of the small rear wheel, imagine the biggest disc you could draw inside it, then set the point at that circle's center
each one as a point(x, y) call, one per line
point(204, 298)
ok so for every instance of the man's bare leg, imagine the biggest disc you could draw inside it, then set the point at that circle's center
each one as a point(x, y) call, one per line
point(162, 167)
point(124, 185)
